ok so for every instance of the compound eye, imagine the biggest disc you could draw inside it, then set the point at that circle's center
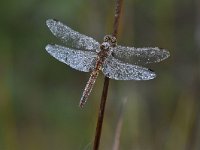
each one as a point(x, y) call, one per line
point(106, 38)
point(113, 40)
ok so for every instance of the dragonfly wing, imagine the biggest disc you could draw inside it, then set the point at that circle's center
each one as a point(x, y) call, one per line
point(140, 55)
point(115, 69)
point(77, 59)
point(69, 36)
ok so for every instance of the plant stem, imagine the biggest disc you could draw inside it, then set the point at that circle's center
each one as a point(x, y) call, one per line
point(118, 9)
point(119, 126)
point(106, 82)
point(101, 114)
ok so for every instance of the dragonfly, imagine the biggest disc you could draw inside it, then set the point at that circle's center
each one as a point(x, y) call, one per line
point(116, 62)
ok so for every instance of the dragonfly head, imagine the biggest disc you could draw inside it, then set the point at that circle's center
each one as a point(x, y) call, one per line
point(111, 40)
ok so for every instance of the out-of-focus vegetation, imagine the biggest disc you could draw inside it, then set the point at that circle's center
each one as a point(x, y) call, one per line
point(39, 96)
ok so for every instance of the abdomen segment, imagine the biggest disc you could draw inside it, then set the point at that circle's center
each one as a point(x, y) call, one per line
point(88, 87)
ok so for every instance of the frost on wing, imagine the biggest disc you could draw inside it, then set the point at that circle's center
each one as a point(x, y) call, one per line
point(144, 55)
point(118, 70)
point(69, 36)
point(77, 59)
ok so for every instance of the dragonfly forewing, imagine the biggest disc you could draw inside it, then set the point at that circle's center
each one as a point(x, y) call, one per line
point(115, 69)
point(71, 37)
point(77, 59)
point(140, 56)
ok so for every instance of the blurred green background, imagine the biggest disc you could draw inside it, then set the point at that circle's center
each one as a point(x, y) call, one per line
point(39, 96)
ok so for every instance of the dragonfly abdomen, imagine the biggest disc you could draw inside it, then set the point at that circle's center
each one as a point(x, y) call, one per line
point(88, 87)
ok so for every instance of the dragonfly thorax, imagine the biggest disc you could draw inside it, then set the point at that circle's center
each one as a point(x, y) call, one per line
point(105, 46)
point(105, 49)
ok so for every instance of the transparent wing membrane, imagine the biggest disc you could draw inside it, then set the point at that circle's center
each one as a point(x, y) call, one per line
point(118, 70)
point(140, 55)
point(71, 37)
point(77, 59)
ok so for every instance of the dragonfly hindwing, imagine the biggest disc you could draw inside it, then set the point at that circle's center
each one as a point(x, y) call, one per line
point(115, 69)
point(77, 59)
